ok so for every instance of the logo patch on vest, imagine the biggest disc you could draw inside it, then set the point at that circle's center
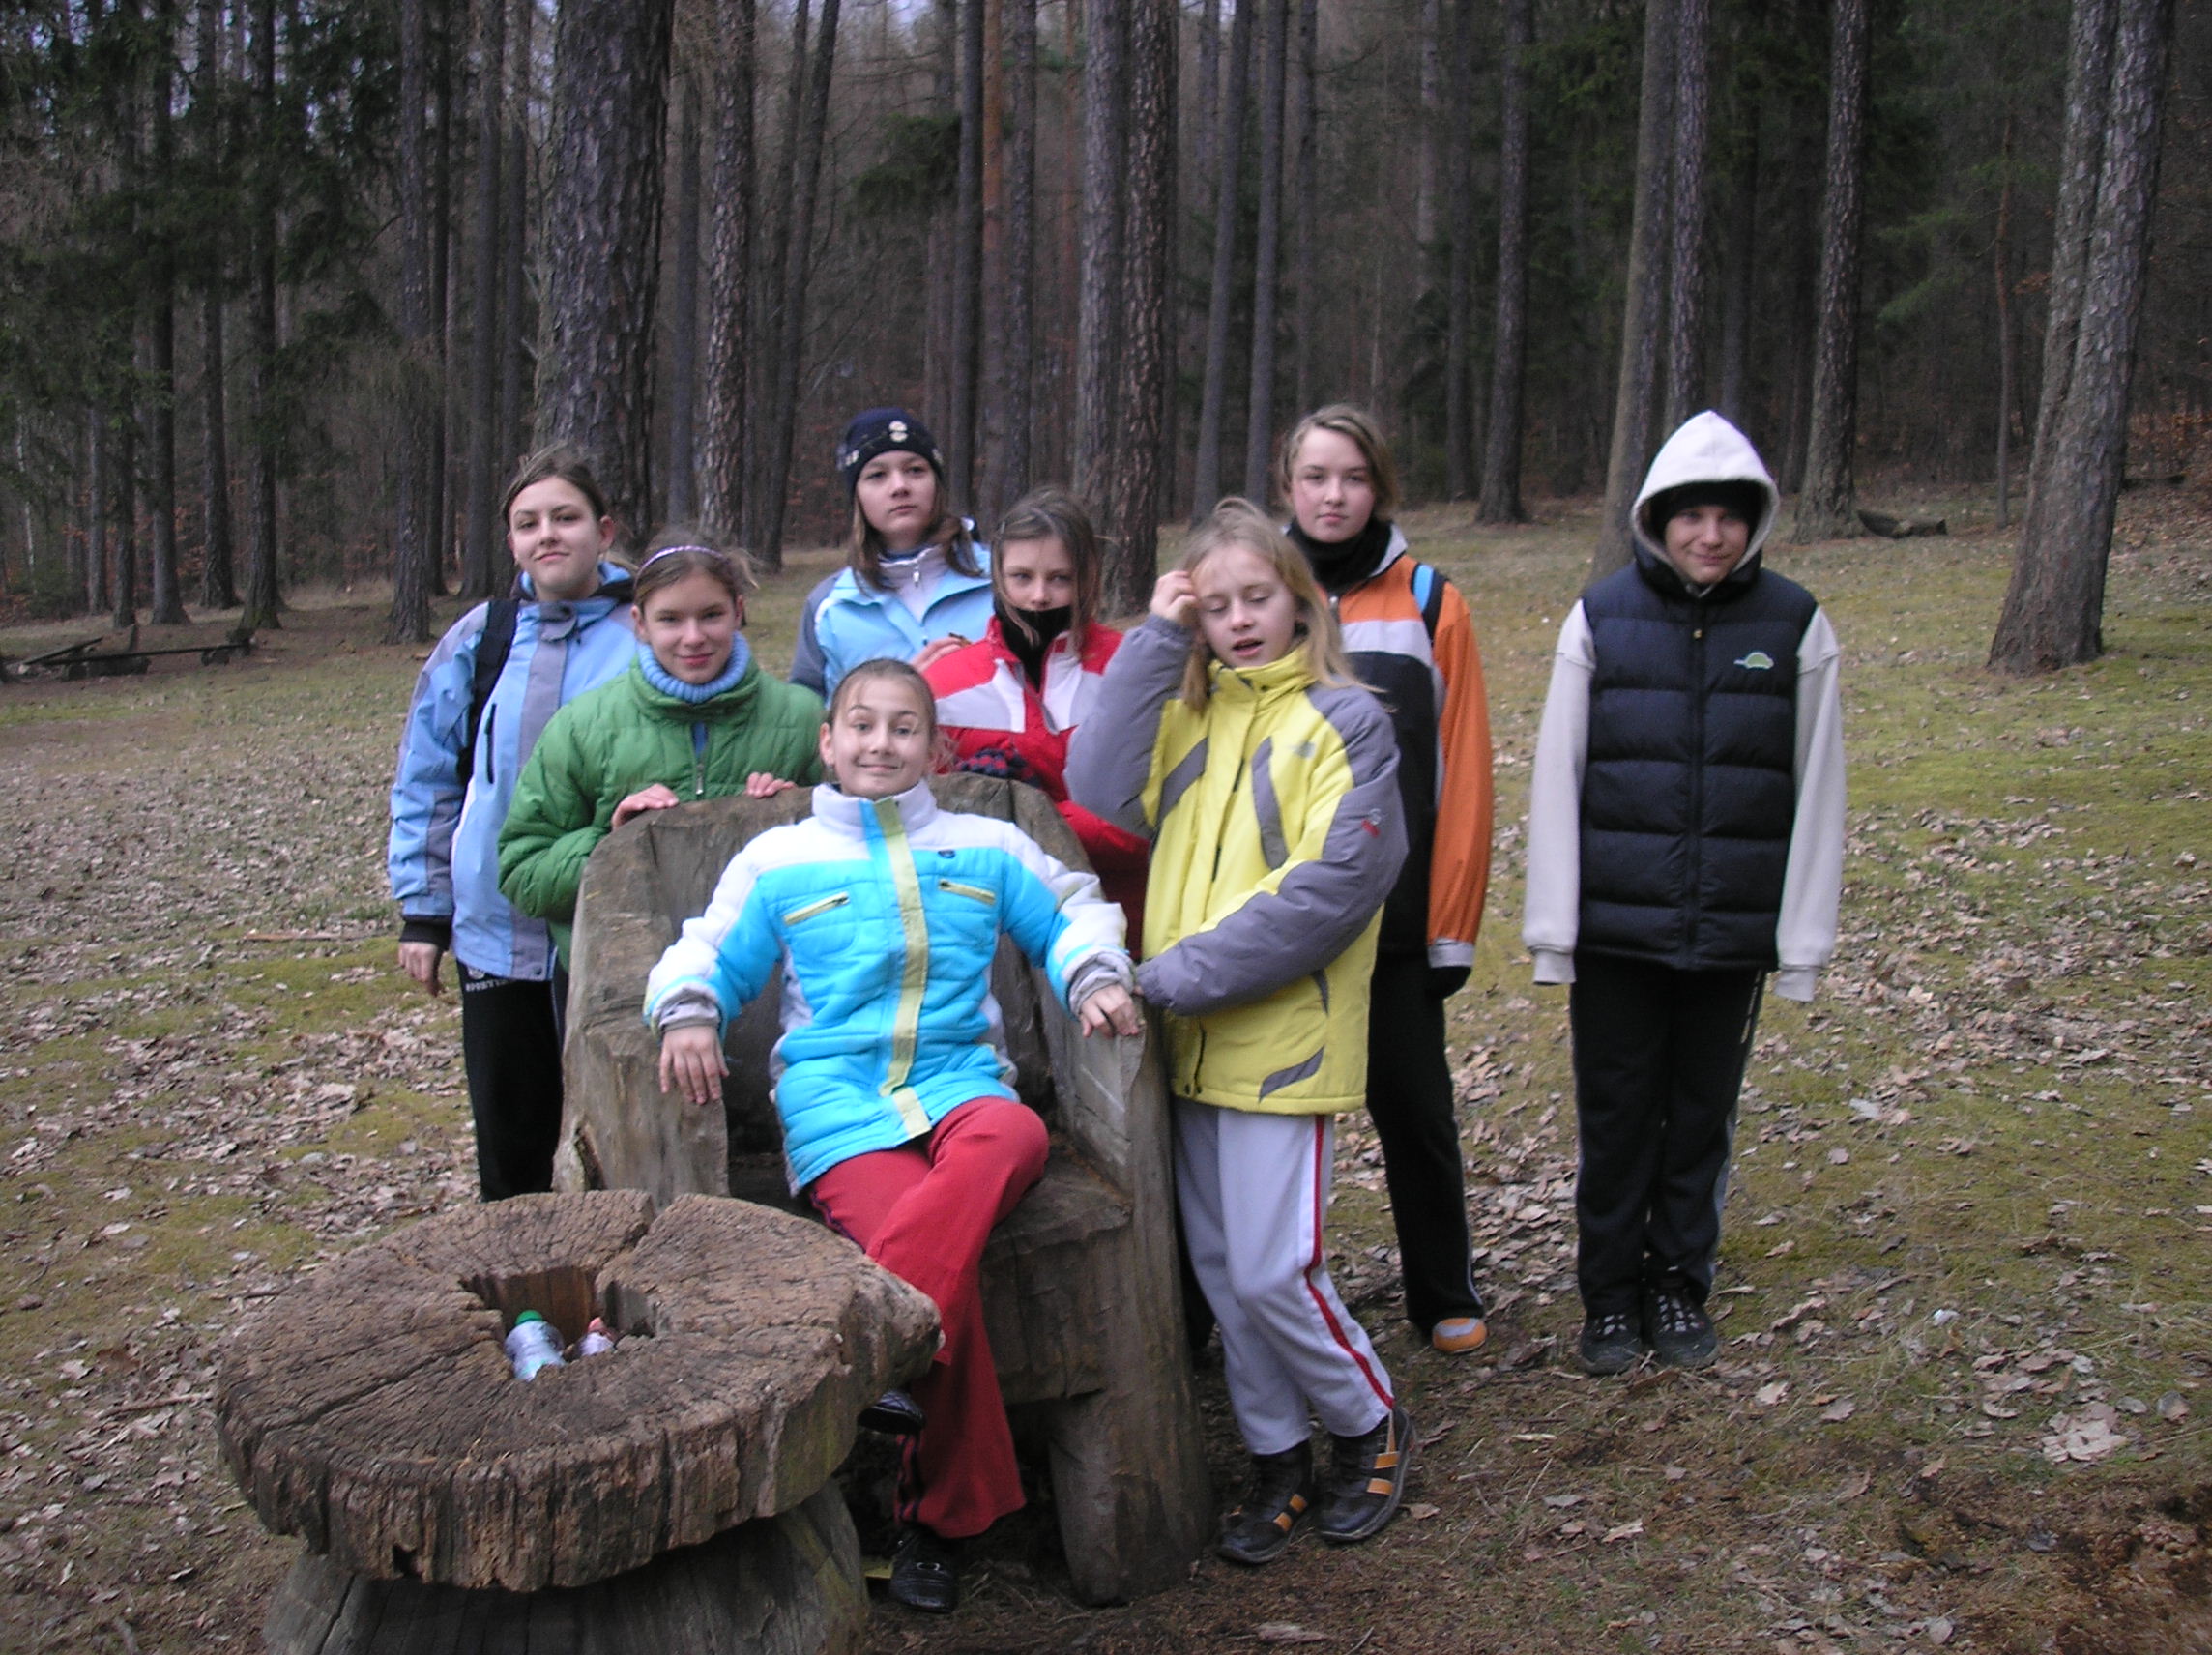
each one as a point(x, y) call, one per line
point(1758, 660)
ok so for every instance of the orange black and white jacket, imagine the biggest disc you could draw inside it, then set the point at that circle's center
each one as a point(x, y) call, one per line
point(1411, 641)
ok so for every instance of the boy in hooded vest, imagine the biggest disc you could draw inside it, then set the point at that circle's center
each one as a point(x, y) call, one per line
point(1685, 839)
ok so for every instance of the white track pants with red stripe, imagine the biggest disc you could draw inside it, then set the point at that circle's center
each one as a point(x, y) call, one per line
point(1253, 1189)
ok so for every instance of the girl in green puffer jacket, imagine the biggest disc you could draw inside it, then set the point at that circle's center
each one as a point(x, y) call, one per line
point(695, 717)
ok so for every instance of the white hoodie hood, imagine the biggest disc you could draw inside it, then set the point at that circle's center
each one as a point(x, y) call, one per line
point(1706, 449)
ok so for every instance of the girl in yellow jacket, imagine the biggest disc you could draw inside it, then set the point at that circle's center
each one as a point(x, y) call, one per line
point(1231, 731)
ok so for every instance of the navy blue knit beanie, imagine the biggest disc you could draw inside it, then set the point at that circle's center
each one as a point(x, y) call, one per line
point(1738, 498)
point(881, 431)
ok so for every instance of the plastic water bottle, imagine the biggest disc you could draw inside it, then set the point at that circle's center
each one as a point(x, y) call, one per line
point(533, 1344)
point(596, 1340)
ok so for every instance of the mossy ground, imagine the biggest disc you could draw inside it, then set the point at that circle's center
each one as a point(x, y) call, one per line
point(1968, 1216)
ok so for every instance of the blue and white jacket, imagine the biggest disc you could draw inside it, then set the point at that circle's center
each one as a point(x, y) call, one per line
point(442, 855)
point(884, 915)
point(846, 621)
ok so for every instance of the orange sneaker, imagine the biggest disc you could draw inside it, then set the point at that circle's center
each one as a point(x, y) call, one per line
point(1457, 1335)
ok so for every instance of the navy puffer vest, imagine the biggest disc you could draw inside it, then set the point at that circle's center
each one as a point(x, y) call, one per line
point(1688, 788)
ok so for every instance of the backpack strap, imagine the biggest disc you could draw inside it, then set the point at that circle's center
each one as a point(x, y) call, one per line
point(1428, 596)
point(492, 650)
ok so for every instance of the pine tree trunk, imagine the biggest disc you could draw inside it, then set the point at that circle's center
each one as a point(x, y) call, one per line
point(798, 254)
point(2054, 613)
point(610, 118)
point(2089, 93)
point(1229, 147)
point(1306, 191)
point(1098, 296)
point(219, 587)
point(123, 577)
point(482, 488)
point(1141, 438)
point(765, 299)
point(440, 390)
point(1015, 311)
point(1686, 205)
point(169, 600)
point(967, 259)
point(1736, 275)
point(1826, 506)
point(723, 401)
point(684, 313)
point(1501, 498)
point(263, 600)
point(1266, 258)
point(2000, 271)
point(1459, 275)
point(515, 425)
point(97, 477)
point(415, 543)
point(1636, 393)
point(1205, 135)
point(1429, 182)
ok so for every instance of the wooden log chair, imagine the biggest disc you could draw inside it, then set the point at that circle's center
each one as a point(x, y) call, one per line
point(1080, 1283)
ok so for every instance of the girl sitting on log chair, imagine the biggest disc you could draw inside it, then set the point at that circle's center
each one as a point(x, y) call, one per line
point(894, 1084)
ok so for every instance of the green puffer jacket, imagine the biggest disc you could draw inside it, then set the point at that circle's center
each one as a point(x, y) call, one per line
point(625, 736)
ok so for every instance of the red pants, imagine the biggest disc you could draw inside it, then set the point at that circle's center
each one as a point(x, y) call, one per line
point(923, 1212)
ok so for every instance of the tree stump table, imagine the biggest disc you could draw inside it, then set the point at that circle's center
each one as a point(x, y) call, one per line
point(670, 1495)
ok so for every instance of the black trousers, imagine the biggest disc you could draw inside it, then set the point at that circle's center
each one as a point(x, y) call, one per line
point(1409, 1099)
point(1659, 1061)
point(511, 1049)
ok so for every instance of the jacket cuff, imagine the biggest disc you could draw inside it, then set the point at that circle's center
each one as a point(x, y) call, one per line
point(1107, 969)
point(1444, 952)
point(435, 930)
point(1555, 966)
point(1796, 982)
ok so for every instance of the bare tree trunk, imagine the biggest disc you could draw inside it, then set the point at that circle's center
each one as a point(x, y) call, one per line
point(1737, 277)
point(2054, 613)
point(1015, 311)
point(1266, 260)
point(684, 311)
point(1205, 481)
point(1826, 506)
point(1636, 394)
point(1429, 183)
point(798, 257)
point(482, 491)
point(767, 298)
point(2088, 91)
point(1147, 291)
point(123, 578)
point(440, 475)
point(722, 470)
point(1099, 297)
point(414, 545)
point(1305, 191)
point(217, 583)
point(1459, 275)
point(517, 354)
point(263, 600)
point(95, 536)
point(1686, 274)
point(2000, 270)
point(967, 258)
point(169, 600)
point(1205, 140)
point(1501, 501)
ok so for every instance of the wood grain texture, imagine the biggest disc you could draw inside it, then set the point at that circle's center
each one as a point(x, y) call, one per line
point(372, 1410)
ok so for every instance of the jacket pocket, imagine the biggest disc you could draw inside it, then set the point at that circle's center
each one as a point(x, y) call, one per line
point(812, 910)
point(989, 898)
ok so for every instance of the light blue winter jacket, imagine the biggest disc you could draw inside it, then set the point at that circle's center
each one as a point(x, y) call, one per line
point(442, 855)
point(846, 622)
point(884, 915)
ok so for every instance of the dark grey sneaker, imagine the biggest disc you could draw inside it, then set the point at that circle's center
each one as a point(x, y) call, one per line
point(1680, 1332)
point(1610, 1343)
point(1367, 1480)
point(926, 1572)
point(1278, 1499)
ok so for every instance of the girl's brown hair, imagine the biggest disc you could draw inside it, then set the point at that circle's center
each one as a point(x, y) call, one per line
point(679, 553)
point(1358, 426)
point(864, 546)
point(1240, 523)
point(558, 463)
point(1052, 513)
point(899, 672)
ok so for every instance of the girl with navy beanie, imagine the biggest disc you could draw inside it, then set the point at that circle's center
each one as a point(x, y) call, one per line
point(914, 574)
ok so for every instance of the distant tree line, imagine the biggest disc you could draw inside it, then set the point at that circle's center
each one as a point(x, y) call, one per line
point(286, 285)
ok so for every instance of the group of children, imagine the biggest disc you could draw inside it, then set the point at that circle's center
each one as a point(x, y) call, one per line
point(1281, 776)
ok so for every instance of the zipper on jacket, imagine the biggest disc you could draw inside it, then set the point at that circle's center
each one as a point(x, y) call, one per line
point(699, 761)
point(1691, 906)
point(798, 916)
point(977, 891)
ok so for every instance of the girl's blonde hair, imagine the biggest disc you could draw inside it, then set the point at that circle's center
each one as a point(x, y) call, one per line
point(1358, 426)
point(679, 553)
point(1052, 513)
point(1240, 523)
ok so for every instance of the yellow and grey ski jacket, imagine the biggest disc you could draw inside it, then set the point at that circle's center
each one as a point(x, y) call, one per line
point(1277, 833)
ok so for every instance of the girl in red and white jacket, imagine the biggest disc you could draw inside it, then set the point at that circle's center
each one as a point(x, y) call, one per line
point(1008, 703)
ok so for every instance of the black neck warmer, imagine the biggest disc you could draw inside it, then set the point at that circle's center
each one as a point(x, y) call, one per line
point(1030, 634)
point(1343, 564)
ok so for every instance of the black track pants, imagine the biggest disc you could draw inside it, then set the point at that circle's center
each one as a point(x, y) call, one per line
point(510, 1048)
point(1409, 1099)
point(1659, 1061)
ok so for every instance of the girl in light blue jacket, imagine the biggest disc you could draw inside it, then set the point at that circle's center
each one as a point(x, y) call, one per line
point(566, 630)
point(882, 914)
point(916, 583)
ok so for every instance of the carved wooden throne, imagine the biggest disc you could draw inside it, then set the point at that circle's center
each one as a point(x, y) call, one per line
point(1079, 1282)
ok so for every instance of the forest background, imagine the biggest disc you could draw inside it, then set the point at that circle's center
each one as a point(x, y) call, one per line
point(287, 285)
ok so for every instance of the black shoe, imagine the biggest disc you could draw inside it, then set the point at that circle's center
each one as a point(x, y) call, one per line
point(1277, 1502)
point(1367, 1480)
point(894, 1414)
point(1610, 1343)
point(926, 1572)
point(1680, 1332)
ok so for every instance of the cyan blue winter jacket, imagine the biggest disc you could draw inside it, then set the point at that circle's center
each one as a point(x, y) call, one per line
point(846, 622)
point(442, 855)
point(884, 915)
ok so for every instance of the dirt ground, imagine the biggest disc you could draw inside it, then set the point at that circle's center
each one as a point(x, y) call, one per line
point(1964, 1287)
